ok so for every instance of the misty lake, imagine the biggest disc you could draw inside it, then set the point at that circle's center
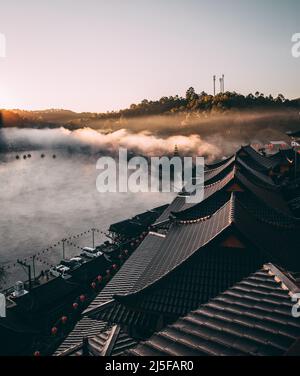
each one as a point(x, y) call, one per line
point(46, 199)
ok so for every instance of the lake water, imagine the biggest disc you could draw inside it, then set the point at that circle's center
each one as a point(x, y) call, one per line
point(43, 200)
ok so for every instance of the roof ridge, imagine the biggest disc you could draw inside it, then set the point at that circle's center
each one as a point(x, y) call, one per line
point(227, 162)
point(204, 218)
point(232, 207)
point(282, 277)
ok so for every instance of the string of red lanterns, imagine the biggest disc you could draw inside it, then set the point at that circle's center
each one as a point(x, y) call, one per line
point(82, 298)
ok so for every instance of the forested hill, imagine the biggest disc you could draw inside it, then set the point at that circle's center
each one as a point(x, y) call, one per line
point(203, 102)
point(191, 103)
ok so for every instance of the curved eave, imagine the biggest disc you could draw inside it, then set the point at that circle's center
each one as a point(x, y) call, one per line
point(186, 240)
point(216, 165)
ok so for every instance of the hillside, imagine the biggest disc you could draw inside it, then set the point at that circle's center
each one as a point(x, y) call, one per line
point(195, 113)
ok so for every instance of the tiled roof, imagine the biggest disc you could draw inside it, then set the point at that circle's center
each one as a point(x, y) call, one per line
point(85, 328)
point(251, 318)
point(256, 222)
point(257, 160)
point(218, 177)
point(218, 167)
point(177, 268)
point(212, 176)
point(137, 224)
point(202, 277)
point(270, 196)
point(111, 342)
point(180, 243)
point(123, 281)
point(180, 203)
point(175, 205)
point(218, 164)
point(135, 266)
point(258, 177)
point(205, 208)
point(277, 240)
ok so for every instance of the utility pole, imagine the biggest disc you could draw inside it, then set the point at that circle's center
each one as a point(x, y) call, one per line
point(33, 266)
point(93, 236)
point(63, 244)
point(28, 271)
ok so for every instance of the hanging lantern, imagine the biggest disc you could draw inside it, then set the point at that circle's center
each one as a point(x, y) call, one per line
point(64, 319)
point(126, 252)
point(75, 305)
point(37, 353)
point(82, 298)
point(114, 266)
point(54, 330)
point(93, 285)
point(108, 272)
point(99, 278)
point(131, 244)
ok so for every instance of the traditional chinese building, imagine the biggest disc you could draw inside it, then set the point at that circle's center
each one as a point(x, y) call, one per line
point(180, 292)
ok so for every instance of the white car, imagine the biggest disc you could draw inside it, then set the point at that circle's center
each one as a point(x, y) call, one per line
point(60, 270)
point(91, 252)
point(77, 259)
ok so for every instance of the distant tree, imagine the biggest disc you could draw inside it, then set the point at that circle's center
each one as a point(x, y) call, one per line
point(280, 98)
point(190, 94)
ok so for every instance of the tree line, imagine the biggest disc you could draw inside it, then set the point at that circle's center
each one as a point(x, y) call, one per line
point(203, 102)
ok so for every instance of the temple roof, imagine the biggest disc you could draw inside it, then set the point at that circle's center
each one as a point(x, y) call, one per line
point(266, 228)
point(251, 318)
point(242, 203)
point(255, 159)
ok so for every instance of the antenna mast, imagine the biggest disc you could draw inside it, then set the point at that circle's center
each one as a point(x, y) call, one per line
point(214, 84)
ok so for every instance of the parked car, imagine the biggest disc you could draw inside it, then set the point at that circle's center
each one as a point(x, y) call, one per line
point(91, 252)
point(72, 264)
point(78, 259)
point(60, 271)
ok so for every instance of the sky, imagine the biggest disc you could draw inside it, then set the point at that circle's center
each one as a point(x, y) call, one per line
point(97, 55)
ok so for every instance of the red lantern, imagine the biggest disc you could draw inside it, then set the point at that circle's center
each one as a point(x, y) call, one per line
point(82, 298)
point(54, 330)
point(99, 278)
point(93, 285)
point(114, 266)
point(75, 305)
point(37, 353)
point(64, 319)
